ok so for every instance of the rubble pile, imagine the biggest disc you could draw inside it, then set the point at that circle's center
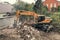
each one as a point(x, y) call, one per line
point(26, 32)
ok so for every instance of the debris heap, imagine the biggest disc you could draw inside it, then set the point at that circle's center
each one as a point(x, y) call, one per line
point(26, 32)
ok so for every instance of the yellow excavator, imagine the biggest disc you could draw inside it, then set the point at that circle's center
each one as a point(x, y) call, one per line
point(40, 21)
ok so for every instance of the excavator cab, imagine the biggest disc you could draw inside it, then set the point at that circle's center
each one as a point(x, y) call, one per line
point(44, 19)
point(41, 18)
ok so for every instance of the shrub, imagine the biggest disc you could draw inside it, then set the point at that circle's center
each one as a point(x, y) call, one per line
point(58, 8)
point(53, 9)
point(56, 19)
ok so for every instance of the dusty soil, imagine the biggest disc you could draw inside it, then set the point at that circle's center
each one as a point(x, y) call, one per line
point(27, 33)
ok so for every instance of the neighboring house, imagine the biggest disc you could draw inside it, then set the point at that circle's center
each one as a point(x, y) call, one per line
point(51, 3)
point(5, 7)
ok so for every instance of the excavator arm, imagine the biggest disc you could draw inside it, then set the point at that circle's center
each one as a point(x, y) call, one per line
point(18, 13)
point(35, 15)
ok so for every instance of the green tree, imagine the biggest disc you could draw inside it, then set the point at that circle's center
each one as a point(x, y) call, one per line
point(38, 6)
point(29, 7)
point(23, 6)
point(26, 7)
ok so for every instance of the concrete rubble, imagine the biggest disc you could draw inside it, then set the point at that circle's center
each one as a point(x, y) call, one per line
point(26, 32)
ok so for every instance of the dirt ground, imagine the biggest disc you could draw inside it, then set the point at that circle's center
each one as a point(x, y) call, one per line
point(27, 33)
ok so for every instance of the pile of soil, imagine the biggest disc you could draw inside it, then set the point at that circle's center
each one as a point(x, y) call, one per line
point(26, 32)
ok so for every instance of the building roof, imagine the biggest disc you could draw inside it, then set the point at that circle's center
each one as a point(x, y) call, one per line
point(55, 0)
point(4, 7)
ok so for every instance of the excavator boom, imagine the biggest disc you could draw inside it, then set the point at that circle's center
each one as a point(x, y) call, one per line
point(18, 13)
